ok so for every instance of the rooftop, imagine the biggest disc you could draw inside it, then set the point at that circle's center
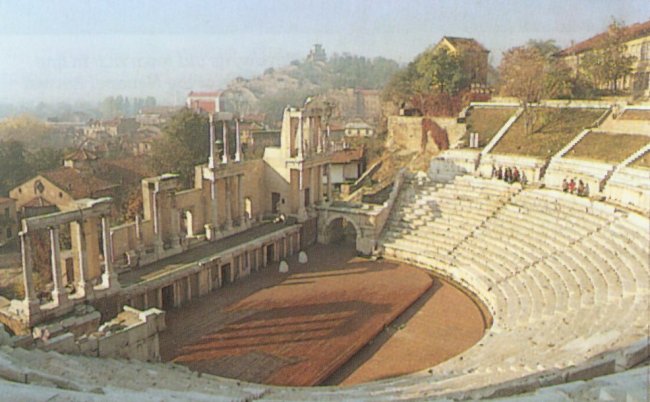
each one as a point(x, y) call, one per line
point(630, 32)
point(77, 184)
point(467, 43)
point(205, 94)
point(347, 155)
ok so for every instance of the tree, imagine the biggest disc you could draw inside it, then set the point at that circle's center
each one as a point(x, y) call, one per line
point(44, 159)
point(440, 71)
point(14, 168)
point(608, 63)
point(530, 73)
point(185, 143)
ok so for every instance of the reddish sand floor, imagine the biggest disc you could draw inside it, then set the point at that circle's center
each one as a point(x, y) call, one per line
point(441, 324)
point(296, 328)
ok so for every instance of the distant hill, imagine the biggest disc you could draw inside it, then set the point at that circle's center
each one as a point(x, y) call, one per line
point(271, 91)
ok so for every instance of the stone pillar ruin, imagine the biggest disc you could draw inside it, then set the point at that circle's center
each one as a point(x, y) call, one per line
point(301, 195)
point(109, 277)
point(28, 280)
point(228, 203)
point(59, 295)
point(301, 139)
point(211, 160)
point(82, 284)
point(240, 201)
point(214, 206)
point(238, 153)
point(157, 224)
point(329, 183)
point(226, 157)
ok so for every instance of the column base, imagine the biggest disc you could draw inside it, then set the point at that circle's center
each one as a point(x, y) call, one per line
point(84, 289)
point(60, 297)
point(109, 281)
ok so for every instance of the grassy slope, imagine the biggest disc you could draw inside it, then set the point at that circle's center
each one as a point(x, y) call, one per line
point(642, 162)
point(486, 122)
point(604, 147)
point(552, 130)
point(635, 115)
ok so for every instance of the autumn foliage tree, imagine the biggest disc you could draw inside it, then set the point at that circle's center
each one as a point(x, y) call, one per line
point(608, 64)
point(531, 73)
point(185, 143)
point(434, 82)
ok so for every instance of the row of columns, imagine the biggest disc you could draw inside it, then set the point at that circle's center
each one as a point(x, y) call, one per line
point(214, 203)
point(59, 295)
point(212, 162)
point(315, 180)
point(315, 141)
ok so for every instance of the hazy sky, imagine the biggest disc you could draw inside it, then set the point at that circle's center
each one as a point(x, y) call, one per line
point(70, 50)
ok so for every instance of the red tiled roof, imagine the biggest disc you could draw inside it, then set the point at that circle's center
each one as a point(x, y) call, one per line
point(347, 155)
point(198, 94)
point(81, 154)
point(131, 169)
point(77, 184)
point(630, 32)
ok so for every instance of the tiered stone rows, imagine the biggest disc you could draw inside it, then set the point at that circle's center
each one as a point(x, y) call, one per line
point(114, 378)
point(566, 279)
point(440, 217)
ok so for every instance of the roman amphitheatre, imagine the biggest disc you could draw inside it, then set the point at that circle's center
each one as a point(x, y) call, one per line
point(495, 250)
point(459, 285)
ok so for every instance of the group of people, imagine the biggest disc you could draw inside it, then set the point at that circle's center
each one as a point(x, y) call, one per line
point(509, 175)
point(581, 189)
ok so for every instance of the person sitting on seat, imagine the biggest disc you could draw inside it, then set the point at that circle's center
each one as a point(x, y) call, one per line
point(581, 188)
point(565, 185)
point(572, 186)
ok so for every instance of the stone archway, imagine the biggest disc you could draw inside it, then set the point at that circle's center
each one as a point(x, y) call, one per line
point(341, 230)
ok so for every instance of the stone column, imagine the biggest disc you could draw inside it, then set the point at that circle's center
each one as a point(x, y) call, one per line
point(238, 153)
point(321, 198)
point(214, 205)
point(224, 127)
point(315, 198)
point(109, 277)
point(228, 203)
point(329, 183)
point(83, 284)
point(301, 195)
point(319, 135)
point(59, 294)
point(28, 280)
point(301, 138)
point(175, 223)
point(212, 161)
point(157, 227)
point(240, 200)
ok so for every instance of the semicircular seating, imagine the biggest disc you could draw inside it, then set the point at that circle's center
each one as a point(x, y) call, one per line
point(566, 279)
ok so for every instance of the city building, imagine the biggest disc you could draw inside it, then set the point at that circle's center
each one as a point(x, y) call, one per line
point(637, 42)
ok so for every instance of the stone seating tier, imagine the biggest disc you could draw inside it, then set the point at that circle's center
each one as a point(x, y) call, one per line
point(552, 268)
point(566, 279)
